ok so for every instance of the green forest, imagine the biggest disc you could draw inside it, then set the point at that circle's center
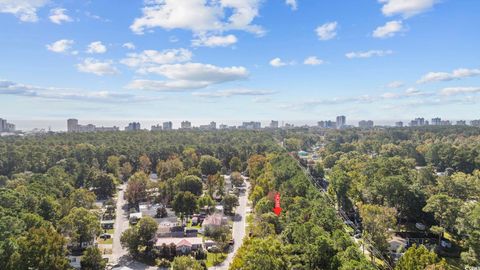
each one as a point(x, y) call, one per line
point(420, 186)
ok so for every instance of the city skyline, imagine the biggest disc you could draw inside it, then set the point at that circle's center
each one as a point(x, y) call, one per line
point(340, 122)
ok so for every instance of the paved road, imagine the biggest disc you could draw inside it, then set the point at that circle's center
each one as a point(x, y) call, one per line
point(239, 228)
point(121, 224)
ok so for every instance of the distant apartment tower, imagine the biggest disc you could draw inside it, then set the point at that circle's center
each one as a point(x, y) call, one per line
point(211, 126)
point(475, 123)
point(251, 125)
point(274, 124)
point(399, 124)
point(167, 125)
point(365, 124)
point(223, 126)
point(418, 122)
point(134, 126)
point(341, 121)
point(186, 125)
point(437, 121)
point(156, 128)
point(461, 123)
point(327, 124)
point(72, 125)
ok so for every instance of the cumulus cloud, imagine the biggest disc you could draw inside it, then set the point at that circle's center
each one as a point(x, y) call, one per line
point(52, 93)
point(129, 46)
point(327, 31)
point(25, 10)
point(96, 47)
point(188, 76)
point(445, 76)
point(214, 41)
point(58, 16)
point(60, 46)
point(292, 4)
point(450, 91)
point(199, 16)
point(390, 29)
point(233, 92)
point(395, 84)
point(406, 8)
point(97, 67)
point(313, 61)
point(149, 58)
point(277, 62)
point(368, 54)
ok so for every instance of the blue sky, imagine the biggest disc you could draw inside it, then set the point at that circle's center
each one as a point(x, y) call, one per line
point(222, 60)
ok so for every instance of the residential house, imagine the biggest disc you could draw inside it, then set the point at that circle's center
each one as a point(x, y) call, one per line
point(183, 245)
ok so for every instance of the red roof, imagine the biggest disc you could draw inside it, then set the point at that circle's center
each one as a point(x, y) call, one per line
point(184, 243)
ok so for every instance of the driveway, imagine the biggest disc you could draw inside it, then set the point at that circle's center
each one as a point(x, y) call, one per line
point(239, 228)
point(121, 224)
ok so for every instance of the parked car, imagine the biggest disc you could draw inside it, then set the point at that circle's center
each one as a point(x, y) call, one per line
point(105, 236)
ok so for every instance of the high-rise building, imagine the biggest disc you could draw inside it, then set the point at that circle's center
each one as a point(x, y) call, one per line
point(3, 125)
point(461, 123)
point(156, 128)
point(437, 121)
point(327, 124)
point(274, 124)
point(418, 122)
point(72, 125)
point(167, 125)
point(134, 126)
point(186, 125)
point(341, 121)
point(251, 125)
point(399, 124)
point(365, 124)
point(475, 123)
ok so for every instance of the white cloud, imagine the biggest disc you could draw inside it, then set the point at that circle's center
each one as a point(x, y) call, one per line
point(368, 54)
point(277, 62)
point(58, 16)
point(388, 30)
point(214, 41)
point(97, 67)
point(53, 93)
point(189, 76)
point(233, 92)
point(445, 76)
point(406, 8)
point(395, 84)
point(450, 91)
point(199, 16)
point(60, 46)
point(313, 61)
point(327, 31)
point(129, 46)
point(25, 10)
point(261, 99)
point(96, 47)
point(292, 4)
point(150, 58)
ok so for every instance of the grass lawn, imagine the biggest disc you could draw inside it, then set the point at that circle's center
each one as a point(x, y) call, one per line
point(110, 231)
point(189, 225)
point(106, 242)
point(215, 258)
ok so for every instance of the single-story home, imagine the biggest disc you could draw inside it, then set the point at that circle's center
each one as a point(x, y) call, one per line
point(214, 220)
point(173, 231)
point(183, 245)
